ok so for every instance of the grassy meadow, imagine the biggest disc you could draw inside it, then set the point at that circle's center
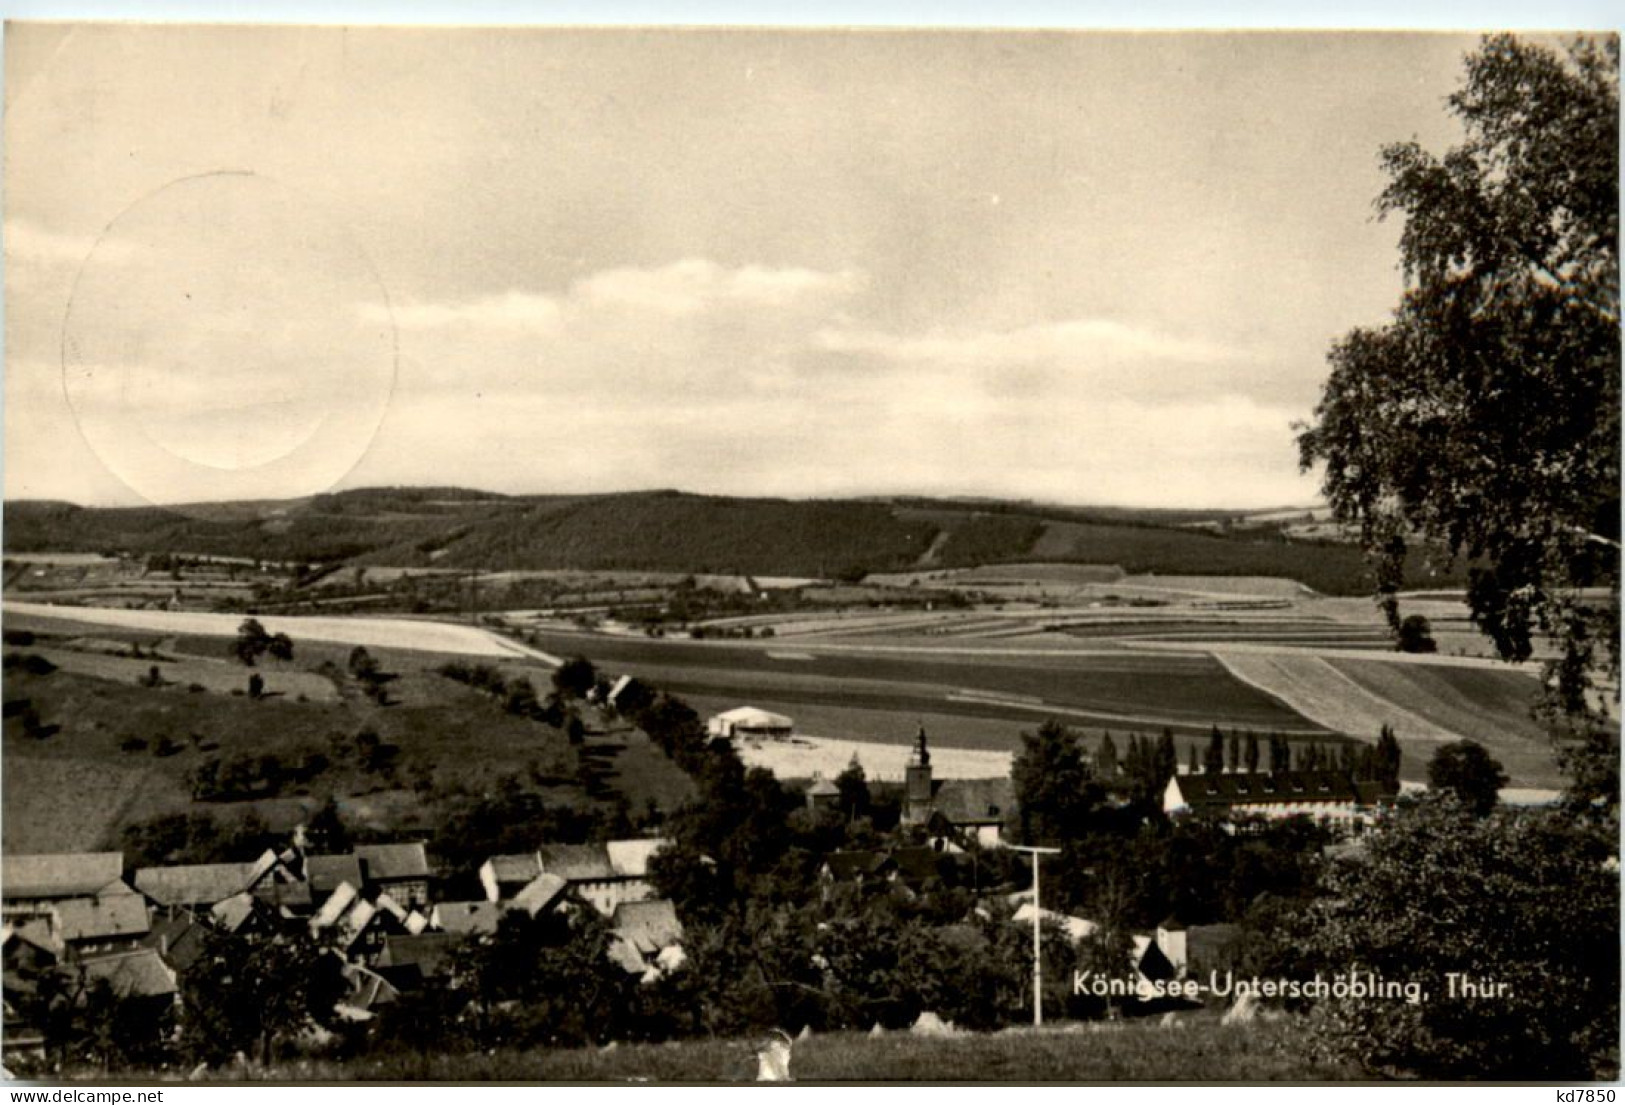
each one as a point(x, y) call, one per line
point(1199, 1049)
point(114, 752)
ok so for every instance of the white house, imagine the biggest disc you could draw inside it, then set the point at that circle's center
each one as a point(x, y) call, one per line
point(1334, 796)
point(749, 722)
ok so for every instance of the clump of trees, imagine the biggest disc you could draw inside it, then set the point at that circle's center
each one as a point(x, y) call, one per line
point(1415, 634)
point(253, 642)
point(366, 671)
point(246, 775)
point(31, 663)
point(516, 696)
point(1467, 770)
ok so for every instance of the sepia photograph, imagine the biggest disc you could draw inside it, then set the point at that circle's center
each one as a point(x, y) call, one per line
point(623, 554)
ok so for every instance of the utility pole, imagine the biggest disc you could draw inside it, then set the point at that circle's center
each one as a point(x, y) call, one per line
point(1038, 959)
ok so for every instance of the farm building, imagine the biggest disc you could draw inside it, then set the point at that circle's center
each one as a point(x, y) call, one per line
point(407, 961)
point(29, 884)
point(1334, 796)
point(750, 723)
point(196, 885)
point(92, 926)
point(604, 875)
point(466, 918)
point(504, 876)
point(400, 870)
point(359, 926)
point(907, 870)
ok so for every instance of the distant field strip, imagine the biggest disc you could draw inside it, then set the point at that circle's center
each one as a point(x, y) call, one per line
point(1230, 648)
point(1462, 700)
point(373, 632)
point(1489, 706)
point(1227, 586)
point(1321, 693)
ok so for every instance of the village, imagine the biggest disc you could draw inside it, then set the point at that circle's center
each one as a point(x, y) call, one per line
point(82, 928)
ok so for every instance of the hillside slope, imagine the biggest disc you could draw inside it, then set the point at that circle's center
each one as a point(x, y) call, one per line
point(671, 531)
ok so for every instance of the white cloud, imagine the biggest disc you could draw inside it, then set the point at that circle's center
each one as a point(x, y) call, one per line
point(1088, 340)
point(676, 332)
point(689, 286)
point(510, 311)
point(682, 288)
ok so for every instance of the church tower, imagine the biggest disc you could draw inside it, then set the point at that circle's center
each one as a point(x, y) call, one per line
point(917, 796)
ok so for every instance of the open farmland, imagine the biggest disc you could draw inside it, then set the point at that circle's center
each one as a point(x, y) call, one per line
point(1493, 707)
point(1117, 690)
point(1359, 697)
point(663, 531)
point(1320, 691)
point(402, 633)
point(218, 676)
point(1219, 586)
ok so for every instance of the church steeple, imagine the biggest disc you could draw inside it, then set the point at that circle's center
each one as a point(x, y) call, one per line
point(918, 791)
point(922, 754)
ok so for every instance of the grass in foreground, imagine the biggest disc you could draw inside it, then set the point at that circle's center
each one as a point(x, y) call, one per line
point(1201, 1049)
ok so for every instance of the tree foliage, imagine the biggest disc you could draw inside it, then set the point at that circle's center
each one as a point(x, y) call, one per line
point(1526, 899)
point(1484, 419)
point(1416, 635)
point(1054, 784)
point(1467, 770)
point(575, 677)
point(247, 993)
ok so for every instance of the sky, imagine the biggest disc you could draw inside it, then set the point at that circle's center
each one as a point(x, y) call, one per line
point(1091, 268)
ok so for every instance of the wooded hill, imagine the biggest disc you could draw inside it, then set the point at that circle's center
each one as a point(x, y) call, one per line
point(673, 531)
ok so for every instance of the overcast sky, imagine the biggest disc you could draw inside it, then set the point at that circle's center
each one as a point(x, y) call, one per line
point(1090, 268)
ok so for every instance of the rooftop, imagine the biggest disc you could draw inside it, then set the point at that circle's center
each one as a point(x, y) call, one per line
point(975, 801)
point(324, 873)
point(100, 918)
point(1238, 788)
point(468, 918)
point(540, 893)
point(577, 862)
point(647, 926)
point(141, 973)
point(58, 875)
point(388, 862)
point(749, 717)
point(519, 868)
point(630, 858)
point(194, 884)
